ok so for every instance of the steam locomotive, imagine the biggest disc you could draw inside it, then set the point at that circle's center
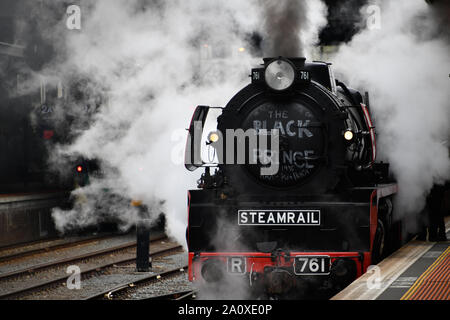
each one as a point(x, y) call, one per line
point(308, 211)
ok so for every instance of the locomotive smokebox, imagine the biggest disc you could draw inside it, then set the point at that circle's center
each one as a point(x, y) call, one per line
point(212, 270)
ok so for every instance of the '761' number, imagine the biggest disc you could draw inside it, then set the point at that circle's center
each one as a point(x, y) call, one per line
point(312, 265)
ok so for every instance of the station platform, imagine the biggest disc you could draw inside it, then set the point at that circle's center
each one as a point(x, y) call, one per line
point(8, 198)
point(418, 271)
point(26, 217)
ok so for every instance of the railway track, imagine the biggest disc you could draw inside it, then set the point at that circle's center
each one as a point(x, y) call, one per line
point(124, 289)
point(108, 258)
point(14, 252)
point(74, 259)
point(24, 244)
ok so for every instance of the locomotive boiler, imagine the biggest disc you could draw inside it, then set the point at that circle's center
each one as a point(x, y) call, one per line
point(296, 200)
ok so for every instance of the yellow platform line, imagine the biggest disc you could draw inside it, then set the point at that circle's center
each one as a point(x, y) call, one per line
point(390, 269)
point(421, 279)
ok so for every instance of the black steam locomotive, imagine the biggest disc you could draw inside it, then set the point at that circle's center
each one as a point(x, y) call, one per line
point(308, 209)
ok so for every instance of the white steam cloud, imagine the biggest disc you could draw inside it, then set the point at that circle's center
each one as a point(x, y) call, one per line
point(147, 56)
point(405, 65)
point(146, 59)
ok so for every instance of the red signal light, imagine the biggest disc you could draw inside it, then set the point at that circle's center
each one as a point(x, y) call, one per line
point(48, 134)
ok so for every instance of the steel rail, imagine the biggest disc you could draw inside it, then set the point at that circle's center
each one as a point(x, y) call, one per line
point(191, 294)
point(58, 246)
point(24, 244)
point(179, 295)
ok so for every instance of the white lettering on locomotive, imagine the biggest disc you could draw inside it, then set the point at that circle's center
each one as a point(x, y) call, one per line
point(267, 217)
point(236, 265)
point(288, 128)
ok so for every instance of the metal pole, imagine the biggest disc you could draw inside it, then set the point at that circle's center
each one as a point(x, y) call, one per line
point(143, 263)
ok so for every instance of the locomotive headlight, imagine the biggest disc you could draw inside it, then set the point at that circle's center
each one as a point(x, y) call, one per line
point(280, 75)
point(213, 137)
point(348, 135)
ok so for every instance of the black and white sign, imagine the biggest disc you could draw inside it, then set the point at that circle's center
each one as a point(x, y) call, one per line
point(304, 76)
point(237, 265)
point(279, 217)
point(312, 265)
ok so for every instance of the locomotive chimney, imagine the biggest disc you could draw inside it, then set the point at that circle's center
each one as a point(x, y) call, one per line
point(299, 62)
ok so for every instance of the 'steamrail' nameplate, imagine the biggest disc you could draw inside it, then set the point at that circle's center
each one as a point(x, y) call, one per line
point(279, 217)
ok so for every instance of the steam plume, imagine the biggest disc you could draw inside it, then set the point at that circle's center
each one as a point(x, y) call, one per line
point(144, 76)
point(405, 66)
point(291, 27)
point(148, 61)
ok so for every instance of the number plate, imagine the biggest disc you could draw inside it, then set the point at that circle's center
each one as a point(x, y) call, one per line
point(312, 265)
